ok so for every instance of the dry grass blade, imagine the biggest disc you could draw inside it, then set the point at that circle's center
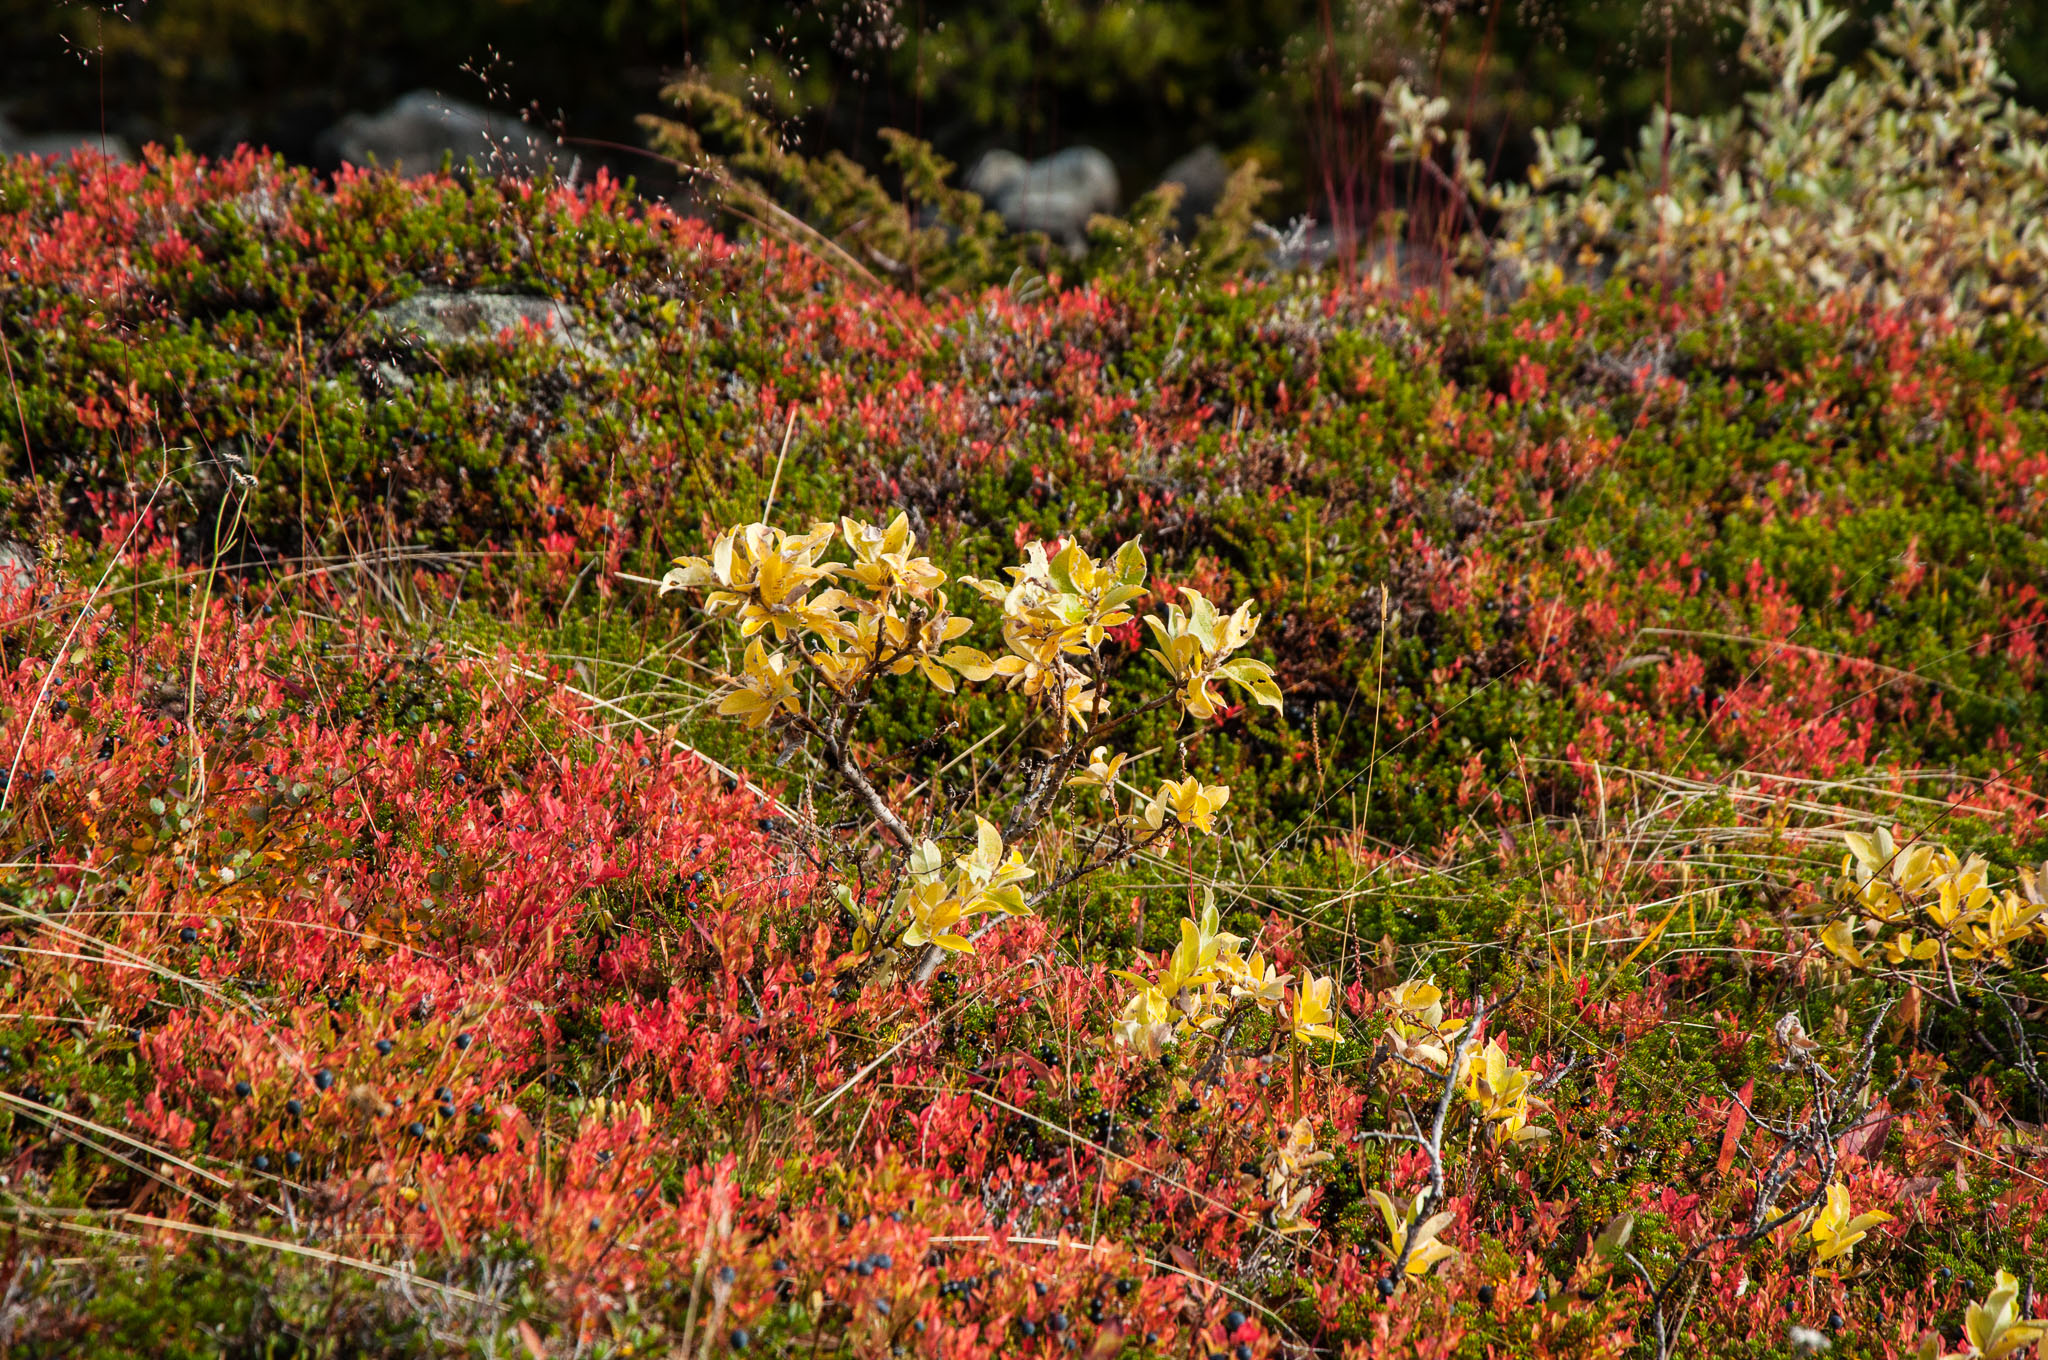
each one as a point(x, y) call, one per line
point(396, 1274)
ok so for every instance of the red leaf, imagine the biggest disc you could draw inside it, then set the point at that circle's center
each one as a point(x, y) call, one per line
point(1868, 1137)
point(1732, 1138)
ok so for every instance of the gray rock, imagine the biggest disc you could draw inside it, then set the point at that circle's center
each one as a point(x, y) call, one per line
point(995, 174)
point(419, 129)
point(17, 565)
point(62, 145)
point(1201, 175)
point(441, 316)
point(1056, 195)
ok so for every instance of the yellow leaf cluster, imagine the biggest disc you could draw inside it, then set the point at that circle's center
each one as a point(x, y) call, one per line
point(1837, 1228)
point(1919, 902)
point(1196, 647)
point(1286, 1169)
point(987, 880)
point(1205, 976)
point(1995, 1327)
point(819, 631)
point(1415, 1023)
point(1427, 1251)
point(1499, 1090)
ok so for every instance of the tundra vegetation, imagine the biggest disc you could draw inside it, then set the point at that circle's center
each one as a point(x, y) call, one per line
point(1160, 807)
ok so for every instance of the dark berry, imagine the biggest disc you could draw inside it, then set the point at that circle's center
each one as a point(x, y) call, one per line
point(1486, 1295)
point(242, 1089)
point(188, 936)
point(292, 1160)
point(294, 1109)
point(740, 1339)
point(383, 1048)
point(1386, 1286)
point(323, 1079)
point(262, 1163)
point(462, 1041)
point(1233, 1320)
point(845, 1220)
